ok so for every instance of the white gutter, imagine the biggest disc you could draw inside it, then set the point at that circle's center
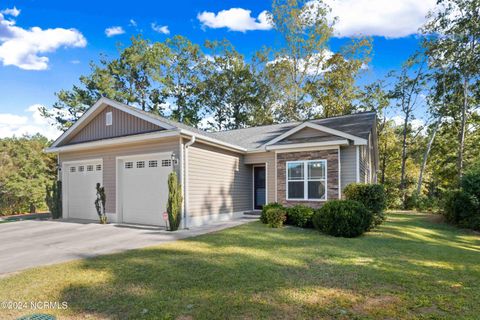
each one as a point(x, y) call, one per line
point(213, 141)
point(185, 184)
point(114, 141)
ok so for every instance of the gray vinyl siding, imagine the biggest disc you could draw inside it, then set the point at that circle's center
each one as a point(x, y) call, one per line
point(219, 182)
point(269, 159)
point(348, 156)
point(123, 124)
point(109, 154)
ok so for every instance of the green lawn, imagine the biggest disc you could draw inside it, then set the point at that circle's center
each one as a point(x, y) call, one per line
point(412, 267)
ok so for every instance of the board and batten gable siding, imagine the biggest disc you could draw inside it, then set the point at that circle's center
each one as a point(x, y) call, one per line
point(269, 159)
point(219, 182)
point(348, 162)
point(109, 154)
point(310, 133)
point(123, 124)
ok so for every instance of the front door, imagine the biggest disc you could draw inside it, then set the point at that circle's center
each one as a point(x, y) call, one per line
point(259, 187)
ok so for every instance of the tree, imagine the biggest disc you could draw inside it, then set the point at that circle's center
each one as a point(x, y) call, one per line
point(374, 97)
point(409, 85)
point(183, 80)
point(337, 91)
point(25, 171)
point(307, 78)
point(454, 33)
point(134, 78)
point(232, 89)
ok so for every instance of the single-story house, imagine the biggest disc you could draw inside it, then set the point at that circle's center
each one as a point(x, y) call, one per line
point(223, 174)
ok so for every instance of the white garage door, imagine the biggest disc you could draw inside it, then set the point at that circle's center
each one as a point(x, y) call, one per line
point(81, 190)
point(144, 189)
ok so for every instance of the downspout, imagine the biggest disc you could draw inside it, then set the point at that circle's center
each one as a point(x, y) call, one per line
point(185, 184)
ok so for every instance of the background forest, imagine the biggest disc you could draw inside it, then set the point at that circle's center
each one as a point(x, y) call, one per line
point(424, 150)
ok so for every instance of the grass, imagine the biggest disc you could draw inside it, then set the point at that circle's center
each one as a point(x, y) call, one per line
point(412, 267)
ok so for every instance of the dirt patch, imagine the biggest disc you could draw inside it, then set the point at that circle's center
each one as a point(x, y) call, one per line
point(435, 218)
point(372, 305)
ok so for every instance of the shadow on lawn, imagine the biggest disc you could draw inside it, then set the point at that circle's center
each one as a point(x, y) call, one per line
point(256, 272)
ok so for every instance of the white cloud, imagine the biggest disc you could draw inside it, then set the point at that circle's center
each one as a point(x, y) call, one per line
point(14, 12)
point(31, 122)
point(315, 65)
point(235, 19)
point(114, 31)
point(25, 48)
point(132, 23)
point(75, 61)
point(416, 123)
point(390, 19)
point(160, 29)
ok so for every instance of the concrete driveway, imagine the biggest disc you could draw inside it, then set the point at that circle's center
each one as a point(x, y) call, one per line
point(26, 244)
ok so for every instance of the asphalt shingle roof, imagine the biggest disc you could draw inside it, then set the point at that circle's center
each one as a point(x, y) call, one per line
point(358, 124)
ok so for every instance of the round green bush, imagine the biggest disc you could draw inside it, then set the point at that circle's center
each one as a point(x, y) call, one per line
point(263, 216)
point(343, 218)
point(276, 217)
point(372, 196)
point(300, 216)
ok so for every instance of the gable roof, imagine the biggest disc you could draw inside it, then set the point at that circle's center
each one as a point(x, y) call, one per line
point(355, 127)
point(359, 125)
point(320, 128)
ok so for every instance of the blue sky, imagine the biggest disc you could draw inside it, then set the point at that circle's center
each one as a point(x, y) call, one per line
point(46, 45)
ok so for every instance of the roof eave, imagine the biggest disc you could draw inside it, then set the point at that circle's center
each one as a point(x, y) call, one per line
point(114, 141)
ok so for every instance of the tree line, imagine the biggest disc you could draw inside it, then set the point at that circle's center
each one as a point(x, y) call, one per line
point(214, 87)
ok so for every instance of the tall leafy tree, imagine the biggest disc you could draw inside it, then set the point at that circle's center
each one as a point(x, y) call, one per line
point(409, 86)
point(183, 82)
point(233, 92)
point(134, 77)
point(453, 38)
point(25, 171)
point(309, 80)
point(162, 77)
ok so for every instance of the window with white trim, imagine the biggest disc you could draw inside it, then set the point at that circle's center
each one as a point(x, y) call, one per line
point(140, 164)
point(108, 118)
point(99, 167)
point(128, 165)
point(307, 180)
point(90, 167)
point(73, 169)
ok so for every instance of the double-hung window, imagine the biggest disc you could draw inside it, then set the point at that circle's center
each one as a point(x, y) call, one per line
point(307, 180)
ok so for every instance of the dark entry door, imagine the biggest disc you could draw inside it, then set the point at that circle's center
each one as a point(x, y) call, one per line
point(259, 192)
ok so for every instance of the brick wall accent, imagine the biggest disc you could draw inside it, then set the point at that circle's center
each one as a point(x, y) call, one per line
point(330, 155)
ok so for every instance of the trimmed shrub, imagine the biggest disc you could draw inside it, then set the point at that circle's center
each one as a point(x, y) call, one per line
point(343, 218)
point(300, 216)
point(372, 196)
point(53, 199)
point(263, 216)
point(276, 217)
point(174, 203)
